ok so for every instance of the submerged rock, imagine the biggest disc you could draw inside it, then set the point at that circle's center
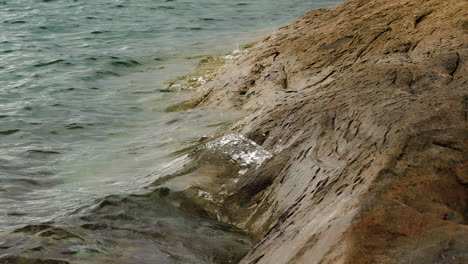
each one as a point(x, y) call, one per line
point(130, 229)
point(212, 170)
point(365, 109)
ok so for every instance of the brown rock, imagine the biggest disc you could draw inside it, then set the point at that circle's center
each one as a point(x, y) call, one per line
point(365, 106)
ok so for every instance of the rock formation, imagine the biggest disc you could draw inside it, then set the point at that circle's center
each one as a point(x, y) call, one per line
point(365, 109)
point(355, 151)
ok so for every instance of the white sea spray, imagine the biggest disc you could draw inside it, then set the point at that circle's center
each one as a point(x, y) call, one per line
point(240, 149)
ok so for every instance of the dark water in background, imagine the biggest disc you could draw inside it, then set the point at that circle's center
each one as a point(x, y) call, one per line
point(80, 114)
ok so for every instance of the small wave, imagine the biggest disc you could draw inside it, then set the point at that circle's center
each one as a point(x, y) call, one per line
point(47, 63)
point(107, 73)
point(162, 7)
point(208, 19)
point(9, 132)
point(14, 213)
point(73, 126)
point(45, 152)
point(99, 32)
point(15, 22)
point(129, 63)
point(189, 28)
point(21, 181)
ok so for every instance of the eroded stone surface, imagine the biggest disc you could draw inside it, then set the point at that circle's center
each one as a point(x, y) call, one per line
point(365, 109)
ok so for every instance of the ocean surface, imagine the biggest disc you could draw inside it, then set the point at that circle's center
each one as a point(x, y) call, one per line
point(81, 102)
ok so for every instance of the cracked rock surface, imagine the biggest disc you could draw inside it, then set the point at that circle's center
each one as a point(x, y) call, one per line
point(365, 109)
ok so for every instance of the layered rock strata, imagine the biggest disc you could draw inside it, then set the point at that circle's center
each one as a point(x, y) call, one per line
point(364, 107)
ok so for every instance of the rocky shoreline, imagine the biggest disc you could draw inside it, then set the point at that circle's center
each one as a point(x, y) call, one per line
point(354, 152)
point(365, 109)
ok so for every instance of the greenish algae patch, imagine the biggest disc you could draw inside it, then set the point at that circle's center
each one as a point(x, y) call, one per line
point(206, 71)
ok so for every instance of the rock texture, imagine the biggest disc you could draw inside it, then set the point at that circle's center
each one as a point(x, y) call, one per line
point(365, 109)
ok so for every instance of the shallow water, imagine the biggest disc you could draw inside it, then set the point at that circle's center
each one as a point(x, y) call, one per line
point(80, 112)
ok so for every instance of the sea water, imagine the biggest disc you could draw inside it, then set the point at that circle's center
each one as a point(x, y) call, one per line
point(81, 108)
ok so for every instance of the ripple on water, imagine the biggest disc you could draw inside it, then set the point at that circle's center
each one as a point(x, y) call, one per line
point(9, 132)
point(137, 229)
point(79, 120)
point(48, 63)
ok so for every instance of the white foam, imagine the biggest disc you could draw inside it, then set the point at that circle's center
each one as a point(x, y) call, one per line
point(240, 149)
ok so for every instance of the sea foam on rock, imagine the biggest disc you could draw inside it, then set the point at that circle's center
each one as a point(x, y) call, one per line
point(242, 150)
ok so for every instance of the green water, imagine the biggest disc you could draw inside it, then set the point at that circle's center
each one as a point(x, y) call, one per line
point(81, 115)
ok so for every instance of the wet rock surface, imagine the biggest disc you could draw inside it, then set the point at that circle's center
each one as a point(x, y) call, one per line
point(364, 107)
